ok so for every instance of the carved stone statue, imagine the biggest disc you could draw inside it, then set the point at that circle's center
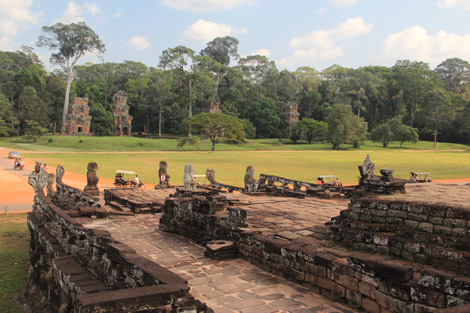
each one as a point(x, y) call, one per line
point(38, 180)
point(92, 179)
point(210, 176)
point(367, 169)
point(163, 175)
point(251, 184)
point(59, 173)
point(190, 182)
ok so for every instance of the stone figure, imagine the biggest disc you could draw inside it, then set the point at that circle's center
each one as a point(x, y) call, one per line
point(367, 168)
point(189, 181)
point(163, 175)
point(38, 180)
point(251, 184)
point(59, 173)
point(92, 179)
point(210, 176)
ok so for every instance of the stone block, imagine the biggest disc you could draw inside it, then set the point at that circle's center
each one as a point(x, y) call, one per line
point(444, 230)
point(428, 296)
point(353, 296)
point(324, 283)
point(370, 305)
point(436, 220)
point(311, 278)
point(454, 222)
point(338, 290)
point(418, 217)
point(384, 300)
point(350, 282)
point(402, 307)
point(426, 227)
point(411, 224)
point(459, 231)
point(397, 213)
point(367, 289)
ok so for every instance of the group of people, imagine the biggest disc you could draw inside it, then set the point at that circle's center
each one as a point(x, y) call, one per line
point(335, 183)
point(37, 167)
point(19, 163)
point(414, 178)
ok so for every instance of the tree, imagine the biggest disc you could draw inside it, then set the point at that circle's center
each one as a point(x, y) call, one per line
point(216, 125)
point(101, 120)
point(221, 49)
point(382, 133)
point(72, 42)
point(6, 115)
point(265, 114)
point(455, 73)
point(31, 107)
point(34, 130)
point(437, 112)
point(310, 129)
point(344, 126)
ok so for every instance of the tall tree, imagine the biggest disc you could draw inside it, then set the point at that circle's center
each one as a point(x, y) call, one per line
point(72, 42)
point(221, 49)
point(455, 73)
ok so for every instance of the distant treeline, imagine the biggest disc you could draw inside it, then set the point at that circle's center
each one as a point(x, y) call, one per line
point(435, 102)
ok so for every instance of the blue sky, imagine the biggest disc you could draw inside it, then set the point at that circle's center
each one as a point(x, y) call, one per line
point(294, 33)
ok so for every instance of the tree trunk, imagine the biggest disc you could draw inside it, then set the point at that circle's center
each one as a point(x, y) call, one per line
point(435, 139)
point(190, 104)
point(412, 119)
point(53, 128)
point(148, 125)
point(66, 100)
point(160, 120)
point(213, 146)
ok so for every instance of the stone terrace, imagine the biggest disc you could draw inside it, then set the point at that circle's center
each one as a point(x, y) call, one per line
point(237, 285)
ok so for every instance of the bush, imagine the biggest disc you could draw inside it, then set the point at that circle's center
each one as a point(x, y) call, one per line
point(50, 140)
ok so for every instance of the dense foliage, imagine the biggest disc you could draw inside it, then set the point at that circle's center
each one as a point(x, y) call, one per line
point(341, 105)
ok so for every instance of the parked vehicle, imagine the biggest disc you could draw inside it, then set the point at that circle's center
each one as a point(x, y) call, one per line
point(419, 177)
point(13, 155)
point(18, 164)
point(127, 179)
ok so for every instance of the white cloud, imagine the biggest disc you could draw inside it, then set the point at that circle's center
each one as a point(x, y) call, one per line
point(455, 4)
point(6, 44)
point(416, 44)
point(74, 12)
point(117, 15)
point(206, 30)
point(138, 43)
point(342, 3)
point(321, 45)
point(16, 16)
point(204, 6)
point(264, 52)
point(320, 11)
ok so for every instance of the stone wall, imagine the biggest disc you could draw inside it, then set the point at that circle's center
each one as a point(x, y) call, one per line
point(75, 269)
point(431, 234)
point(376, 283)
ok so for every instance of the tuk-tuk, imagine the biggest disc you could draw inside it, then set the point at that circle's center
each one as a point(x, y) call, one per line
point(329, 180)
point(420, 177)
point(125, 179)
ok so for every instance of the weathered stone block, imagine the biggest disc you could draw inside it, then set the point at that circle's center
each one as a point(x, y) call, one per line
point(350, 282)
point(367, 289)
point(353, 296)
point(411, 224)
point(338, 290)
point(444, 230)
point(418, 217)
point(427, 227)
point(384, 300)
point(370, 305)
point(454, 222)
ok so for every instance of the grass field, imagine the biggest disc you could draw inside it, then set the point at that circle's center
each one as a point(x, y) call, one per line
point(269, 156)
point(14, 260)
point(92, 143)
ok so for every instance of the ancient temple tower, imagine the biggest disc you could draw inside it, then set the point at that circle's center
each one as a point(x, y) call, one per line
point(78, 119)
point(122, 119)
point(291, 115)
point(214, 106)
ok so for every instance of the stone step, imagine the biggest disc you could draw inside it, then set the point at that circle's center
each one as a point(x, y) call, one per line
point(119, 206)
point(404, 247)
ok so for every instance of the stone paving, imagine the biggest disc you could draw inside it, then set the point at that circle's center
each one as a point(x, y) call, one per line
point(451, 194)
point(236, 285)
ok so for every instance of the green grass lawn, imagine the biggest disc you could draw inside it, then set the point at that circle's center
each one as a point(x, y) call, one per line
point(268, 156)
point(14, 260)
point(92, 143)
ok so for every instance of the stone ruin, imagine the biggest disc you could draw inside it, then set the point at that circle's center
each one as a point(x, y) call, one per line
point(214, 106)
point(163, 176)
point(380, 254)
point(384, 184)
point(122, 119)
point(190, 182)
point(78, 118)
point(291, 115)
point(92, 179)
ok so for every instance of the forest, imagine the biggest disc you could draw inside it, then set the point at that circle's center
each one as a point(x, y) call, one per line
point(397, 103)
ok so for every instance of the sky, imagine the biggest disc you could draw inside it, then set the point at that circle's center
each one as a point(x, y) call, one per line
point(293, 33)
